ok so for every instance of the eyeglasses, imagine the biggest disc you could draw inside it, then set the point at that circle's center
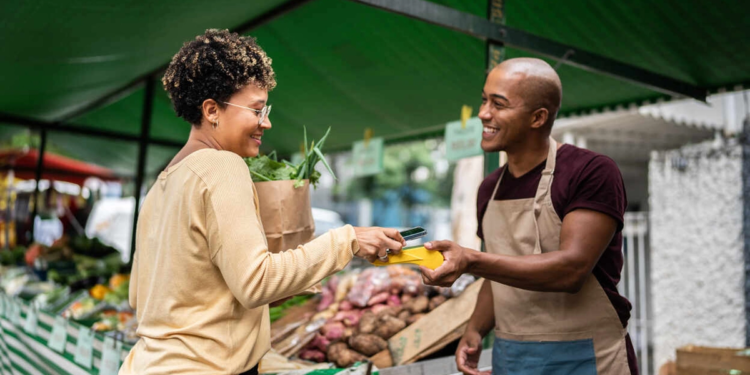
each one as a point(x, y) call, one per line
point(262, 113)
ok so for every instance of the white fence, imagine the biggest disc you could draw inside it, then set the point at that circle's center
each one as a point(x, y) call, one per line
point(636, 286)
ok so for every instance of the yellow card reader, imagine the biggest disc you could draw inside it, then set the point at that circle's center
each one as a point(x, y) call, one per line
point(418, 255)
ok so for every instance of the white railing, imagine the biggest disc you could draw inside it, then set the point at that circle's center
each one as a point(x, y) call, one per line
point(636, 286)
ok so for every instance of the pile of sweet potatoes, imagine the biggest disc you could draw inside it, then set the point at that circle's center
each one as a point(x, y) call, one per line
point(367, 310)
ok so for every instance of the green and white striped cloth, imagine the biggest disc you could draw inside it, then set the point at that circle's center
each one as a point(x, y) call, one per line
point(25, 346)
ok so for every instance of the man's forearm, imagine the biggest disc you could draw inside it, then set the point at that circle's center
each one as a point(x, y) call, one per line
point(483, 318)
point(548, 272)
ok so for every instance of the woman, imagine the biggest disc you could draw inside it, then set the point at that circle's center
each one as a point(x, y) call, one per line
point(202, 276)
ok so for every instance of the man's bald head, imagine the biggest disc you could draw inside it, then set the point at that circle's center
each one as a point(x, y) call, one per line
point(538, 84)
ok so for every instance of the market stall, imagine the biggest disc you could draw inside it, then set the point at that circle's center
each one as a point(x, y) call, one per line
point(405, 81)
point(57, 303)
point(64, 309)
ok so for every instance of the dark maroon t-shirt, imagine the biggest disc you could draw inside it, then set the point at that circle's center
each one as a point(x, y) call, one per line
point(582, 179)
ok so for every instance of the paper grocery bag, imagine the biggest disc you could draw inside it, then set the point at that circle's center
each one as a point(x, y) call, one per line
point(286, 215)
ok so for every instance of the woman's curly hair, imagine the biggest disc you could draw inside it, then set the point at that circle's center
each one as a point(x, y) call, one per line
point(215, 65)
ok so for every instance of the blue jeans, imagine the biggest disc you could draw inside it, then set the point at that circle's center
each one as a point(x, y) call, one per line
point(511, 357)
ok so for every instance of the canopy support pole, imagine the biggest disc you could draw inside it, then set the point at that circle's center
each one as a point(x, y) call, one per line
point(148, 103)
point(37, 178)
point(81, 130)
point(486, 29)
point(495, 55)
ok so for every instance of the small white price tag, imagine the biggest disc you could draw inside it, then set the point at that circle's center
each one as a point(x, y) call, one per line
point(59, 335)
point(85, 348)
point(32, 320)
point(15, 316)
point(110, 364)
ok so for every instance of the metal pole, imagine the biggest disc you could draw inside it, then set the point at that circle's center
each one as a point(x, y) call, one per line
point(37, 178)
point(495, 55)
point(70, 128)
point(745, 144)
point(478, 27)
point(148, 103)
point(642, 225)
point(631, 272)
point(8, 209)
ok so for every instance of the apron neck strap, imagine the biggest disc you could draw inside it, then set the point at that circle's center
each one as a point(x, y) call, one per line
point(545, 183)
point(497, 185)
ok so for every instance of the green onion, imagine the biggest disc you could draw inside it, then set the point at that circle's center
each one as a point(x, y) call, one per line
point(268, 168)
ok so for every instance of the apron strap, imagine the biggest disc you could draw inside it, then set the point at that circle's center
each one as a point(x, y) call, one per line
point(497, 185)
point(545, 183)
point(544, 188)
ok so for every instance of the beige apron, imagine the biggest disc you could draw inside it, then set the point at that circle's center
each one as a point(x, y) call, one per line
point(531, 226)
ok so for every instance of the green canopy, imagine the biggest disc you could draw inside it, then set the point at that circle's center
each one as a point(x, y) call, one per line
point(339, 63)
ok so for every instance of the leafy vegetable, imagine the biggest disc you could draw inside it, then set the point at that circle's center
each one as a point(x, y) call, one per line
point(268, 168)
point(278, 311)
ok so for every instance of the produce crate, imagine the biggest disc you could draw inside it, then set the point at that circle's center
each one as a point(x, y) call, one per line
point(698, 360)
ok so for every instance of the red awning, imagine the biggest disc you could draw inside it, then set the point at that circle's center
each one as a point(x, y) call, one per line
point(56, 167)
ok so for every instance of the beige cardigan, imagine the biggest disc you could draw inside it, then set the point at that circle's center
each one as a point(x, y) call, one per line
point(202, 276)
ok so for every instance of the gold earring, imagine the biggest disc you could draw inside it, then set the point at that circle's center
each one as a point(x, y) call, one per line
point(216, 124)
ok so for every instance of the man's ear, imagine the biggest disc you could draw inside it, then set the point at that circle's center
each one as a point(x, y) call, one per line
point(539, 118)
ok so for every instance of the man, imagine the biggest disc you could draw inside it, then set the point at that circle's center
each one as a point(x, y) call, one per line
point(551, 220)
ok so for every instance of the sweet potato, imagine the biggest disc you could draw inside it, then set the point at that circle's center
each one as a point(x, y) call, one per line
point(413, 319)
point(320, 343)
point(349, 332)
point(368, 322)
point(387, 326)
point(393, 300)
point(345, 306)
point(406, 298)
point(418, 305)
point(344, 285)
point(436, 301)
point(334, 351)
point(333, 331)
point(349, 318)
point(326, 300)
point(342, 356)
point(390, 310)
point(312, 355)
point(404, 315)
point(378, 298)
point(378, 308)
point(367, 344)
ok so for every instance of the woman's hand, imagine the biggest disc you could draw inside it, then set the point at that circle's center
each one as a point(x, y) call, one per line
point(374, 243)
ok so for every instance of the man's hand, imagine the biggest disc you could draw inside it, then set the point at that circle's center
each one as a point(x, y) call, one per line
point(455, 265)
point(468, 352)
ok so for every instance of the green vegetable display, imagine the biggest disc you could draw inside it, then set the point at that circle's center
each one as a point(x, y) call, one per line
point(268, 168)
point(13, 256)
point(118, 295)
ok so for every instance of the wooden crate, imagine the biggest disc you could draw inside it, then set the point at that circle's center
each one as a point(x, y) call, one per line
point(698, 360)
